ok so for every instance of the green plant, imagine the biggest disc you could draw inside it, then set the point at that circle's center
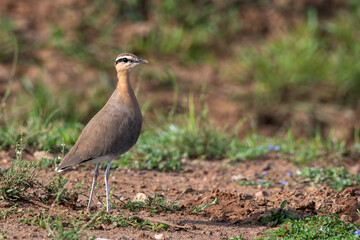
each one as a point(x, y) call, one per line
point(18, 179)
point(46, 162)
point(120, 221)
point(337, 178)
point(315, 227)
point(156, 205)
point(240, 237)
point(56, 228)
point(5, 213)
point(280, 217)
point(55, 191)
point(263, 183)
point(203, 206)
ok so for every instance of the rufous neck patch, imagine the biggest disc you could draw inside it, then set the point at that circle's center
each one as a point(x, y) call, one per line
point(124, 88)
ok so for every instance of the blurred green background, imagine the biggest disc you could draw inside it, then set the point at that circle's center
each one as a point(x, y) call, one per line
point(240, 66)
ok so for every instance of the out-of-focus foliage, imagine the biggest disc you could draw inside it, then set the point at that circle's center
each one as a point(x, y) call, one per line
point(311, 58)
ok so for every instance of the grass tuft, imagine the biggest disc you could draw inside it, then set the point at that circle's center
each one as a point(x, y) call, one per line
point(156, 205)
point(316, 227)
point(15, 183)
point(337, 178)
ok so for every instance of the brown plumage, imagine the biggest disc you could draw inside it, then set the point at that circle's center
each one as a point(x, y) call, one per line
point(113, 130)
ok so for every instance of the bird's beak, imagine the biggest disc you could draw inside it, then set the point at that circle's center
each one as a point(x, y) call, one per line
point(142, 61)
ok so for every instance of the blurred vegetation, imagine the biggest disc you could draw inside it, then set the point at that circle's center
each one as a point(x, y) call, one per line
point(314, 59)
point(318, 61)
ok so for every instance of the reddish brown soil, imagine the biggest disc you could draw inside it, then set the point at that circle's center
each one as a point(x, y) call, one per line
point(238, 212)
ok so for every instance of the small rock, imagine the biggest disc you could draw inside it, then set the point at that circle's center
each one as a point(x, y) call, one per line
point(33, 235)
point(261, 194)
point(208, 233)
point(346, 218)
point(141, 197)
point(39, 154)
point(159, 236)
point(261, 201)
point(266, 167)
point(100, 238)
point(237, 178)
point(122, 238)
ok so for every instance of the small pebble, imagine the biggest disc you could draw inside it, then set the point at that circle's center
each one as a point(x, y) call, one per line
point(236, 178)
point(159, 236)
point(122, 238)
point(141, 197)
point(261, 194)
point(33, 235)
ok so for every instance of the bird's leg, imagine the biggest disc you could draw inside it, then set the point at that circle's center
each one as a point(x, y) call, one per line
point(107, 174)
point(96, 174)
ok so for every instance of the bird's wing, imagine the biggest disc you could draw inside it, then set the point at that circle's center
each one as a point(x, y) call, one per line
point(107, 133)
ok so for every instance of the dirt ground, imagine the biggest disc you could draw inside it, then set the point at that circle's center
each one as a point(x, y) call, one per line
point(238, 212)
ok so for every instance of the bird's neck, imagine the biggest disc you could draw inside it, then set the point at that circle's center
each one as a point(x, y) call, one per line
point(124, 89)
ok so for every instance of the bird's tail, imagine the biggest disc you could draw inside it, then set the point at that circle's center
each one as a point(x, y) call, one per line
point(62, 167)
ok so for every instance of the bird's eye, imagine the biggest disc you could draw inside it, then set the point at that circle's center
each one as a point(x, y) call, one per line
point(125, 60)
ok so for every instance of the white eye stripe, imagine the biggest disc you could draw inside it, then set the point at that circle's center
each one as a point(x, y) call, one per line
point(125, 59)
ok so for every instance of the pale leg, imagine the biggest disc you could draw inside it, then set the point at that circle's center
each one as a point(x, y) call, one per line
point(96, 174)
point(107, 174)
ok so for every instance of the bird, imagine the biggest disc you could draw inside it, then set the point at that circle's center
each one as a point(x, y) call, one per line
point(113, 130)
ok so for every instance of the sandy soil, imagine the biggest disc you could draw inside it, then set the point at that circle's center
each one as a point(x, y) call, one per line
point(238, 212)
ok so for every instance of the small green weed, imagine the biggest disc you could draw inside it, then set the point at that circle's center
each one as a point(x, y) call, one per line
point(55, 191)
point(278, 218)
point(3, 234)
point(337, 178)
point(158, 204)
point(7, 212)
point(34, 218)
point(46, 162)
point(18, 179)
point(146, 224)
point(60, 230)
point(120, 221)
point(263, 183)
point(59, 227)
point(316, 227)
point(203, 206)
point(240, 237)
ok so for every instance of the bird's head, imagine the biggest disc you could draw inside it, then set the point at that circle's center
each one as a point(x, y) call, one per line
point(126, 62)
